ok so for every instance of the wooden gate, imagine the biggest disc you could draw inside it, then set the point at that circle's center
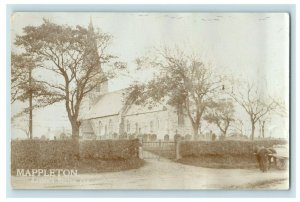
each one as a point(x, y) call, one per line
point(158, 149)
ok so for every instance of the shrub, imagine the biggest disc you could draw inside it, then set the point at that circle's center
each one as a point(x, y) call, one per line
point(24, 154)
point(228, 147)
point(27, 154)
point(109, 149)
point(221, 161)
point(47, 154)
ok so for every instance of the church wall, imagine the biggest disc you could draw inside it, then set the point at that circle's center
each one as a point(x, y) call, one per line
point(160, 123)
point(104, 127)
point(147, 123)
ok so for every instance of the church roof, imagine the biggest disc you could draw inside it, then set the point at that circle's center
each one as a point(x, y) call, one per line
point(143, 109)
point(108, 104)
point(112, 103)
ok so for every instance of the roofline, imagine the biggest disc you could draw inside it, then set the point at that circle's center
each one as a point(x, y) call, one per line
point(101, 116)
point(125, 115)
point(146, 112)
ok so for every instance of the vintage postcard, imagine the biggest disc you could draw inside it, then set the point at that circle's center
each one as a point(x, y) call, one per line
point(127, 100)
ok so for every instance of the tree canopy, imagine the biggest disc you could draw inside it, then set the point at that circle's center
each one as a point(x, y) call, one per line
point(183, 81)
point(74, 57)
point(221, 113)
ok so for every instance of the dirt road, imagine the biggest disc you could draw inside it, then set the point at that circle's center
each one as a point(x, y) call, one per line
point(163, 174)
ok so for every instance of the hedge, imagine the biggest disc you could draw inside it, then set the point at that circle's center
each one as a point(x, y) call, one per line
point(228, 147)
point(41, 154)
point(109, 149)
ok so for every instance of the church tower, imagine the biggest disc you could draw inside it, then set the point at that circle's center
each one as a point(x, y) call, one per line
point(90, 99)
point(103, 88)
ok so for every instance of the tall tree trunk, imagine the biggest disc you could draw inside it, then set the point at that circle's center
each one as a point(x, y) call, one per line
point(226, 128)
point(195, 128)
point(199, 130)
point(75, 129)
point(252, 130)
point(224, 133)
point(72, 116)
point(30, 104)
point(180, 114)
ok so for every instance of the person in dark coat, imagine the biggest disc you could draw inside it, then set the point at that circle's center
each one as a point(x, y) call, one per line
point(263, 158)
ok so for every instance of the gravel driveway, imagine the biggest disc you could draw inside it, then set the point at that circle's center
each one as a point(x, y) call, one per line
point(163, 174)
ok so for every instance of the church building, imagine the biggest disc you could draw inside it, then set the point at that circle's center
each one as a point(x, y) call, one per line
point(105, 115)
point(109, 117)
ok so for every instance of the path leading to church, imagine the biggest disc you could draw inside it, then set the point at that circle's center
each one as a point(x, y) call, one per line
point(165, 174)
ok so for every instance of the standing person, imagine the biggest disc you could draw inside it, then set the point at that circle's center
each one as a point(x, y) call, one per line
point(262, 156)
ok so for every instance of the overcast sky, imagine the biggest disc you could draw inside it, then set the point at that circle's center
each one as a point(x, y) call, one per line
point(253, 46)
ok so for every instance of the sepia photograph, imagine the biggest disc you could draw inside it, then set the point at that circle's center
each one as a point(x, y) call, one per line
point(150, 100)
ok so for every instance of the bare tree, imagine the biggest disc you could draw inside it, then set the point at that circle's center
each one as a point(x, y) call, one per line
point(74, 56)
point(256, 104)
point(183, 81)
